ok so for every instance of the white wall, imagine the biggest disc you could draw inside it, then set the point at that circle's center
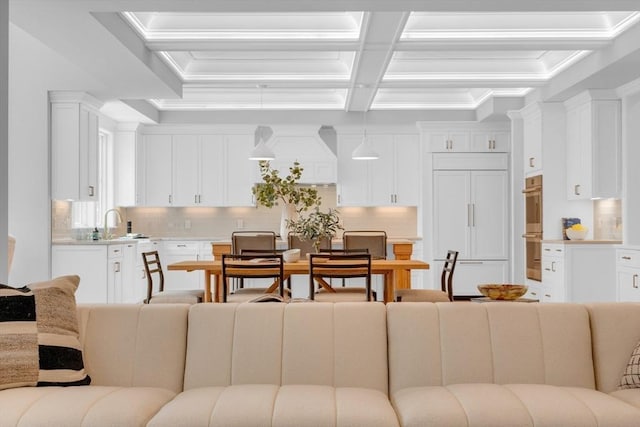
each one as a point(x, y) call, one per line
point(4, 133)
point(34, 69)
point(631, 172)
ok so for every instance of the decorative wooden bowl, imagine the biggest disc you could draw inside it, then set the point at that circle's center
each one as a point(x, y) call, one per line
point(502, 291)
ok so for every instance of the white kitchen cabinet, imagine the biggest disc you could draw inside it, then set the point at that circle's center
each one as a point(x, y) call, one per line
point(87, 261)
point(593, 147)
point(115, 273)
point(490, 141)
point(155, 159)
point(578, 272)
point(74, 146)
point(130, 284)
point(387, 181)
point(468, 274)
point(471, 213)
point(189, 250)
point(553, 288)
point(532, 147)
point(440, 141)
point(195, 170)
point(628, 275)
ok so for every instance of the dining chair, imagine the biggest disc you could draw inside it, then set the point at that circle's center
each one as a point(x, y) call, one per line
point(375, 241)
point(153, 266)
point(445, 294)
point(255, 240)
point(252, 266)
point(325, 266)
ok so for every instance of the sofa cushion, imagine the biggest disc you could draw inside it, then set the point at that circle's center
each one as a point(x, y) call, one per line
point(615, 333)
point(503, 343)
point(135, 345)
point(39, 335)
point(93, 406)
point(508, 405)
point(266, 404)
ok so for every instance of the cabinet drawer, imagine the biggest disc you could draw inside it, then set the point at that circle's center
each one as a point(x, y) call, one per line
point(115, 251)
point(552, 249)
point(181, 248)
point(628, 258)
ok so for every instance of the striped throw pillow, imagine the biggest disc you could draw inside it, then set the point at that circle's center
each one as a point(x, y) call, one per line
point(39, 343)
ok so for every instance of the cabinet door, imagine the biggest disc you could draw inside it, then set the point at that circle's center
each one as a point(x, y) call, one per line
point(578, 152)
point(130, 284)
point(185, 170)
point(629, 284)
point(156, 159)
point(353, 184)
point(451, 212)
point(407, 170)
point(88, 154)
point(533, 143)
point(87, 261)
point(239, 171)
point(449, 142)
point(381, 171)
point(489, 215)
point(176, 251)
point(490, 142)
point(212, 170)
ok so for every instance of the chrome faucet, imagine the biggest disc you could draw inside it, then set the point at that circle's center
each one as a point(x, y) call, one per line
point(105, 232)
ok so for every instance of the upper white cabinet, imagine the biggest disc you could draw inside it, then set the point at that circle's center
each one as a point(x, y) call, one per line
point(593, 146)
point(532, 148)
point(464, 137)
point(444, 141)
point(195, 170)
point(74, 146)
point(387, 181)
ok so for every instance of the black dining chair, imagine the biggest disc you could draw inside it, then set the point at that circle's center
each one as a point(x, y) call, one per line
point(252, 266)
point(329, 266)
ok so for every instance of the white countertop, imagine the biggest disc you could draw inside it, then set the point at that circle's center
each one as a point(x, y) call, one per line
point(584, 242)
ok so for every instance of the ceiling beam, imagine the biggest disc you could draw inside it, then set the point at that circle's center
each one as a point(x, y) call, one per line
point(502, 44)
point(342, 5)
point(380, 29)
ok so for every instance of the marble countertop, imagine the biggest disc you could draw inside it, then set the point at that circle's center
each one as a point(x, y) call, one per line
point(584, 242)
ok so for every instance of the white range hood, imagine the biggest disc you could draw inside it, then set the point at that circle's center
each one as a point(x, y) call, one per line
point(316, 154)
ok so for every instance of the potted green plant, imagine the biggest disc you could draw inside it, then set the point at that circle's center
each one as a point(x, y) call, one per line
point(316, 225)
point(275, 190)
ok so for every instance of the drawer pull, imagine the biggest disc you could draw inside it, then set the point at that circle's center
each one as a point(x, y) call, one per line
point(547, 295)
point(635, 281)
point(531, 165)
point(472, 262)
point(553, 266)
point(534, 293)
point(628, 258)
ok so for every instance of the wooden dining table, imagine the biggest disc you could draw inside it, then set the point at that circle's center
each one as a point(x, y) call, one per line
point(391, 269)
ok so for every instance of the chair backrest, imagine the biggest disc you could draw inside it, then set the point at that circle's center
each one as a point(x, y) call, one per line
point(248, 266)
point(252, 240)
point(306, 246)
point(151, 266)
point(375, 241)
point(342, 266)
point(446, 279)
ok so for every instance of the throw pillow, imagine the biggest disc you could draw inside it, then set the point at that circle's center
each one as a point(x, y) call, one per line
point(631, 376)
point(39, 336)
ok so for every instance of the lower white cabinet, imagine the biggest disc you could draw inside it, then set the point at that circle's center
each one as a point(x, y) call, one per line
point(628, 275)
point(188, 250)
point(578, 272)
point(101, 268)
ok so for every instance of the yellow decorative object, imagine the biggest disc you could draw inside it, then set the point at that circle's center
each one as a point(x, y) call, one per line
point(502, 291)
point(577, 232)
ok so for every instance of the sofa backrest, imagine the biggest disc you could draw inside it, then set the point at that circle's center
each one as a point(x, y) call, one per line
point(342, 345)
point(447, 343)
point(615, 331)
point(134, 345)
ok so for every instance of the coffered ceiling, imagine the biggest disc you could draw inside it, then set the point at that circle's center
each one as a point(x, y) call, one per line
point(352, 56)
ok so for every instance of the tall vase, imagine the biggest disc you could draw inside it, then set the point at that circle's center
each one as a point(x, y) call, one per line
point(288, 213)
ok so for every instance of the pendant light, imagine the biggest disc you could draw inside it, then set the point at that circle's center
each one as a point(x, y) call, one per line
point(261, 151)
point(364, 151)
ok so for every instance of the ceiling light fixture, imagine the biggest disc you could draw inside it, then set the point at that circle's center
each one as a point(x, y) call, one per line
point(261, 151)
point(364, 151)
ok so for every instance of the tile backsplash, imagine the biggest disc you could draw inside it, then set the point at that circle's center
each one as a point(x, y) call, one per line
point(607, 218)
point(220, 222)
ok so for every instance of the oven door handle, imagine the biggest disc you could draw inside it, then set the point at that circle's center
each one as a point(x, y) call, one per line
point(532, 189)
point(531, 236)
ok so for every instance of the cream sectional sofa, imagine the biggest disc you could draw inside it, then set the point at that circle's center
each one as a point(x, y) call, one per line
point(348, 364)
